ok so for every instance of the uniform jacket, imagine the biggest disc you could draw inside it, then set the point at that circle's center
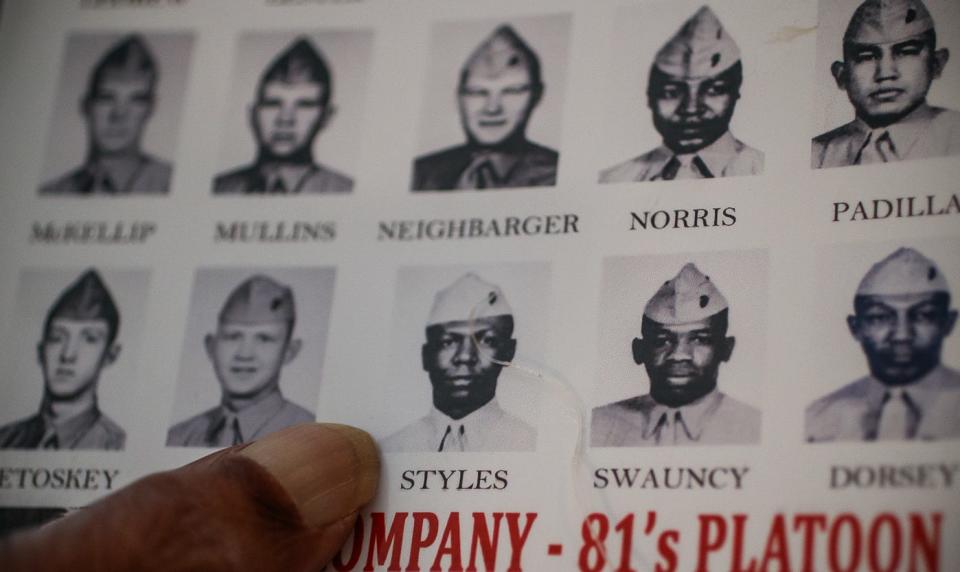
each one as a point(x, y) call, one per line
point(270, 414)
point(714, 419)
point(88, 430)
point(725, 157)
point(253, 179)
point(489, 428)
point(852, 413)
point(151, 176)
point(926, 132)
point(526, 164)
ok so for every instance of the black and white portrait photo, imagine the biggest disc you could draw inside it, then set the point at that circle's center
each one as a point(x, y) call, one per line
point(892, 315)
point(682, 350)
point(253, 354)
point(491, 119)
point(683, 97)
point(116, 115)
point(458, 330)
point(887, 88)
point(76, 359)
point(295, 113)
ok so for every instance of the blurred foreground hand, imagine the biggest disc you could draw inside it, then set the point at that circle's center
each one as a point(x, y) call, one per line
point(285, 502)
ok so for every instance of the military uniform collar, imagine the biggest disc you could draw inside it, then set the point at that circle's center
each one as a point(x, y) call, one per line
point(292, 175)
point(903, 133)
point(253, 417)
point(923, 393)
point(70, 431)
point(716, 155)
point(693, 416)
point(102, 177)
point(473, 423)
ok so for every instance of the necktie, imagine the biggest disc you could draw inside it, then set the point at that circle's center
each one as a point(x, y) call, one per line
point(896, 417)
point(50, 440)
point(453, 439)
point(480, 174)
point(878, 148)
point(694, 169)
point(226, 432)
point(278, 186)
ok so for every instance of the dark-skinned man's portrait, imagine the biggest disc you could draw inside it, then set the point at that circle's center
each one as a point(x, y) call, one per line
point(681, 345)
point(504, 91)
point(123, 115)
point(902, 317)
point(888, 68)
point(692, 91)
point(467, 346)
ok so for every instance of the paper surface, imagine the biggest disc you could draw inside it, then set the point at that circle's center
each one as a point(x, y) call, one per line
point(368, 184)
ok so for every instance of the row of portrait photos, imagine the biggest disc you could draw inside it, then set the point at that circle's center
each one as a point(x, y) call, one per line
point(681, 346)
point(296, 108)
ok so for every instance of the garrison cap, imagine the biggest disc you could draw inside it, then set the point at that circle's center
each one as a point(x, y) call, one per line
point(86, 299)
point(299, 63)
point(129, 58)
point(884, 21)
point(905, 271)
point(257, 300)
point(503, 51)
point(470, 297)
point(701, 48)
point(688, 297)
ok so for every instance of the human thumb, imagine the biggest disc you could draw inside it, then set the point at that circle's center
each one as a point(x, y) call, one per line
point(285, 502)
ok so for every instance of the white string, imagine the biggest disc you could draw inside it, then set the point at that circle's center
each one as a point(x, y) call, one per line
point(573, 410)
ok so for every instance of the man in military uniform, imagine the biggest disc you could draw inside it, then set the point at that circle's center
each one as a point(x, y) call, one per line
point(500, 86)
point(468, 342)
point(253, 341)
point(692, 92)
point(684, 341)
point(116, 106)
point(901, 317)
point(293, 105)
point(79, 340)
point(890, 58)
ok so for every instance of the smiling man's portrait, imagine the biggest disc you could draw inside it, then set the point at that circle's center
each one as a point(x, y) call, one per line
point(683, 343)
point(80, 339)
point(902, 318)
point(293, 104)
point(125, 98)
point(467, 342)
point(891, 58)
point(692, 92)
point(253, 340)
point(498, 93)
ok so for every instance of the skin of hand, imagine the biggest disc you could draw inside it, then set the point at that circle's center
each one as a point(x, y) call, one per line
point(286, 502)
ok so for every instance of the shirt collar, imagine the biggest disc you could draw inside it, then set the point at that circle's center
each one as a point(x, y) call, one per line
point(472, 423)
point(923, 393)
point(292, 175)
point(693, 416)
point(106, 175)
point(253, 417)
point(71, 430)
point(903, 133)
point(716, 155)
